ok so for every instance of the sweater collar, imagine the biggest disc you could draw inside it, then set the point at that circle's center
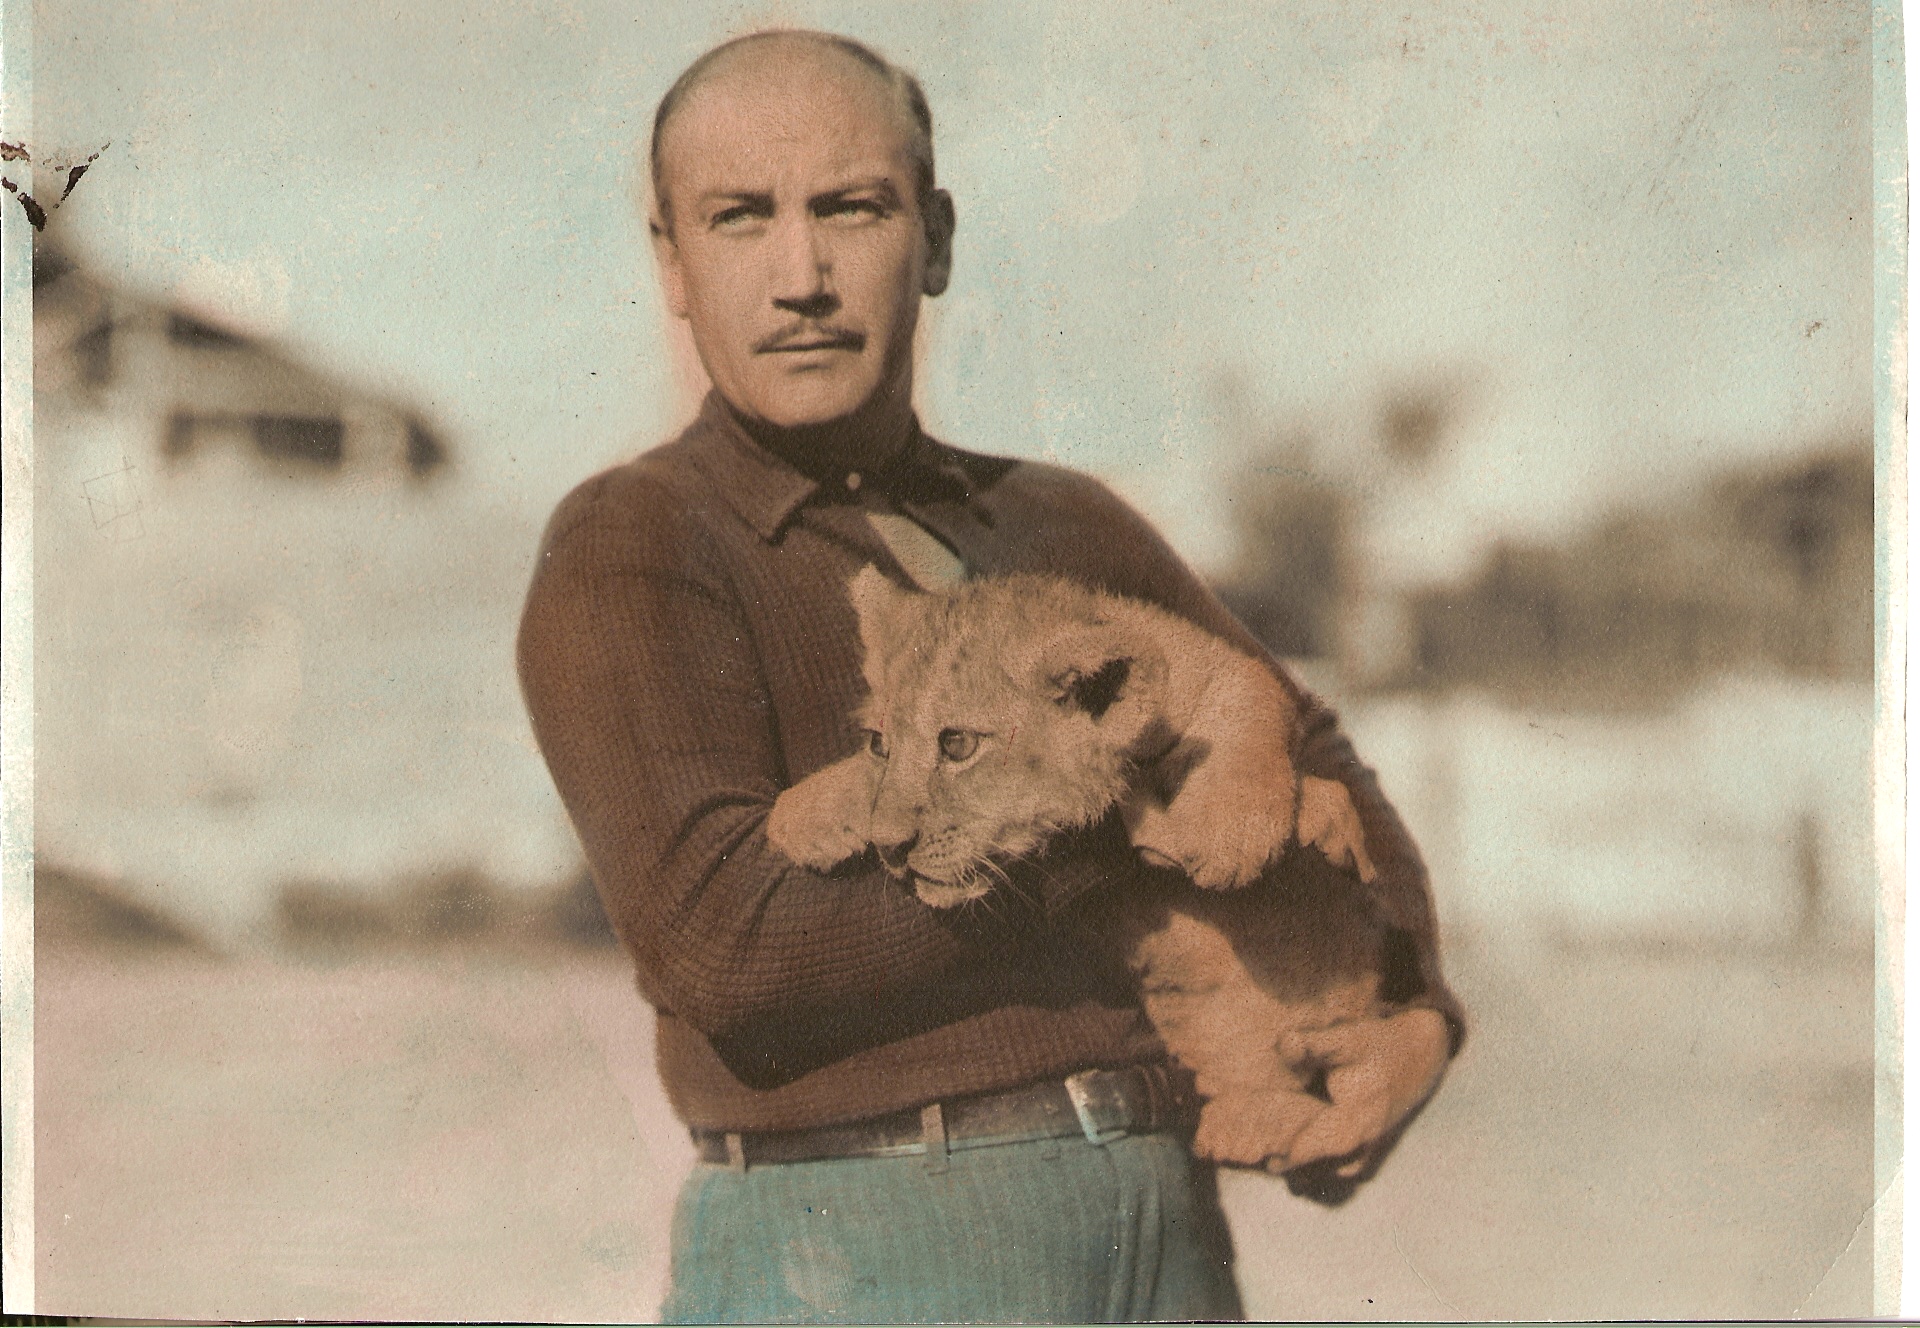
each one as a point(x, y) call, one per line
point(766, 490)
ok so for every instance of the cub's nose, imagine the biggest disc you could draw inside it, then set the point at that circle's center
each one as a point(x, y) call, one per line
point(893, 852)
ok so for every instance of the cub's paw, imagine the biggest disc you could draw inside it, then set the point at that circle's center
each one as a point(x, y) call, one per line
point(1329, 822)
point(1219, 833)
point(825, 818)
point(1254, 1130)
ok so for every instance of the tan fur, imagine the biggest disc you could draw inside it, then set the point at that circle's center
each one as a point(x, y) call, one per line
point(1070, 703)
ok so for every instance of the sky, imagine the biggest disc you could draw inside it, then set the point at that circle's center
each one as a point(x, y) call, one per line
point(1630, 241)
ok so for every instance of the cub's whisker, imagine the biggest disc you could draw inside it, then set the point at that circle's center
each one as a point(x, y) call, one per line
point(1020, 890)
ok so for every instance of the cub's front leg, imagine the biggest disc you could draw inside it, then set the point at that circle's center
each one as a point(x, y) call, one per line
point(1223, 803)
point(1227, 800)
point(1223, 834)
point(827, 817)
point(1222, 827)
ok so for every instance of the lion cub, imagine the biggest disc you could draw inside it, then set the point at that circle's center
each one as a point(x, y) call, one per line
point(1007, 710)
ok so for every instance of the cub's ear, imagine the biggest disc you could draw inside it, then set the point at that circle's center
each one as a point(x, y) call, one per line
point(886, 612)
point(1095, 692)
point(1096, 668)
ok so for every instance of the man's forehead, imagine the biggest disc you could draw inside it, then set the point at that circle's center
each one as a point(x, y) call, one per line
point(767, 108)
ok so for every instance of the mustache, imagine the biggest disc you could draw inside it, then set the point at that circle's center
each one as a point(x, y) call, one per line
point(811, 336)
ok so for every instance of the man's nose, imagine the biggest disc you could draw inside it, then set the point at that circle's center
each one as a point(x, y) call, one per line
point(803, 280)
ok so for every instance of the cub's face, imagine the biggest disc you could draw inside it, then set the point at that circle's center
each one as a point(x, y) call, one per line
point(997, 716)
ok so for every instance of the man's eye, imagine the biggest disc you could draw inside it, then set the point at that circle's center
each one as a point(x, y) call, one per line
point(958, 744)
point(876, 744)
point(734, 217)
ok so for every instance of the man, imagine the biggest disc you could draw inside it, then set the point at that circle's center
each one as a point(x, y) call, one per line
point(902, 1114)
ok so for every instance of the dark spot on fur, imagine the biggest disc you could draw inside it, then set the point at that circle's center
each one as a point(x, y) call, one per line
point(1156, 741)
point(1167, 773)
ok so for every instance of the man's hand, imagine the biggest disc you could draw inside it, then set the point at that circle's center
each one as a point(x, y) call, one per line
point(1329, 822)
point(1378, 1072)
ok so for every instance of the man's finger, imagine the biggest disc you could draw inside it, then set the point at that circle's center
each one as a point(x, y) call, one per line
point(1362, 863)
point(1415, 1039)
point(1329, 821)
point(1378, 1070)
point(1336, 1044)
point(1338, 1132)
point(1247, 1130)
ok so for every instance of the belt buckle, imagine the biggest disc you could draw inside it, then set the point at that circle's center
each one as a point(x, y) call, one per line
point(1083, 1090)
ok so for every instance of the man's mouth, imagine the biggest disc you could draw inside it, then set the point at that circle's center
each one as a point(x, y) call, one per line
point(802, 341)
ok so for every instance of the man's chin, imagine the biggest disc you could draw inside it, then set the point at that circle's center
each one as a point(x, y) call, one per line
point(808, 397)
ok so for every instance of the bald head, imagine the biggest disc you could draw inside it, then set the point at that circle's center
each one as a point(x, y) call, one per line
point(744, 59)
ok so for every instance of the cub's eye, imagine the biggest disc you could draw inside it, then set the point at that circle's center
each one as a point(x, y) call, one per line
point(876, 744)
point(958, 744)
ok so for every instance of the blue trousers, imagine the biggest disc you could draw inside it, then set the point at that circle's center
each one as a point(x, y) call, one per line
point(1048, 1231)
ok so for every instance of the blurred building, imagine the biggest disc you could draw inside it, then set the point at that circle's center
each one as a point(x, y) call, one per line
point(199, 386)
point(272, 633)
point(1305, 575)
point(1770, 566)
point(1655, 731)
point(1767, 566)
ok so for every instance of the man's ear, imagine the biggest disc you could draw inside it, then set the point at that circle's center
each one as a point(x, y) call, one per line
point(666, 253)
point(938, 220)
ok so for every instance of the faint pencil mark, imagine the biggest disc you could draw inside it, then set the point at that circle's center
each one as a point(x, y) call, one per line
point(1317, 480)
point(114, 504)
point(1394, 1231)
point(1659, 190)
point(1864, 1227)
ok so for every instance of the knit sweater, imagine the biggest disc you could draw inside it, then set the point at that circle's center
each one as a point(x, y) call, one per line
point(688, 650)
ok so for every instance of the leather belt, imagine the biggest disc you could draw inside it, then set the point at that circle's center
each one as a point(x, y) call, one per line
point(1100, 1105)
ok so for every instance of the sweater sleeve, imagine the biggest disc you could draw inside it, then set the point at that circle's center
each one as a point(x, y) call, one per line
point(639, 672)
point(1123, 553)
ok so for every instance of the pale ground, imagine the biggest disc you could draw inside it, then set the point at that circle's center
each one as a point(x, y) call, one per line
point(480, 1136)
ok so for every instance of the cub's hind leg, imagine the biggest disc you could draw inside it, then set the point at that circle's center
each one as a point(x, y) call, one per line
point(1231, 981)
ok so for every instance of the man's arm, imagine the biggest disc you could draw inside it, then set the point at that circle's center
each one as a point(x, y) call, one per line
point(1400, 890)
point(641, 679)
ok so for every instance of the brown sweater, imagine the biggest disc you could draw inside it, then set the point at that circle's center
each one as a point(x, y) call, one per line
point(688, 651)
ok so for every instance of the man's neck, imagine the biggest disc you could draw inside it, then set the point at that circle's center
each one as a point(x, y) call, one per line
point(869, 440)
